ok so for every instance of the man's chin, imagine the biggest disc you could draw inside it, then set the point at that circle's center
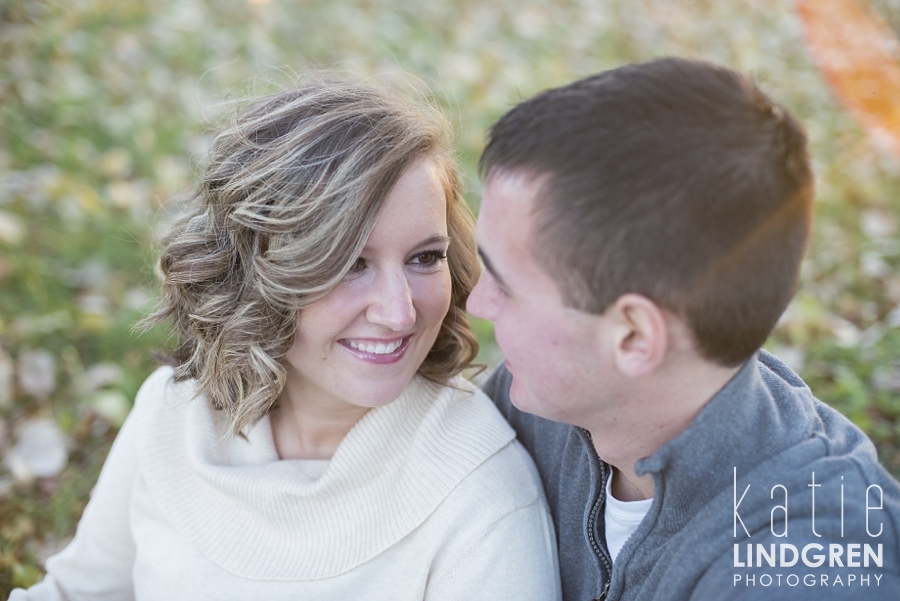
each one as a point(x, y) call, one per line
point(526, 402)
point(520, 398)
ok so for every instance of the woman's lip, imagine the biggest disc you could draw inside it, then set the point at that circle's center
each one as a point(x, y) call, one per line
point(378, 359)
point(376, 340)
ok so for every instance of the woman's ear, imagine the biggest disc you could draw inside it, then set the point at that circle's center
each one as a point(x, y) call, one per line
point(641, 335)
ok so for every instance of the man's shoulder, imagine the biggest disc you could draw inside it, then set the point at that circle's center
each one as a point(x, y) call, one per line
point(497, 388)
point(551, 444)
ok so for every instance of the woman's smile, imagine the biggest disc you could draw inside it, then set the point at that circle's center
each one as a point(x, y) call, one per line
point(378, 351)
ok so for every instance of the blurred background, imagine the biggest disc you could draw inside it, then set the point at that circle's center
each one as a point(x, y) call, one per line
point(106, 107)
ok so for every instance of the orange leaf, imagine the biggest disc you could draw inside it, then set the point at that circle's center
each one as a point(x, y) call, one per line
point(859, 55)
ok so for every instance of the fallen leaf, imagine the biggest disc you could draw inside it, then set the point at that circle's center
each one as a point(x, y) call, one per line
point(37, 373)
point(40, 452)
point(7, 372)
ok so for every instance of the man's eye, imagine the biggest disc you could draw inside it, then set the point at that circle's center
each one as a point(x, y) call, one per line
point(429, 258)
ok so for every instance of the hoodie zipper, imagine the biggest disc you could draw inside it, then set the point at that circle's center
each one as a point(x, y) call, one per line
point(602, 556)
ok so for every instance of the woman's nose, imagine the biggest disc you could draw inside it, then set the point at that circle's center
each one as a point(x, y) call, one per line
point(391, 303)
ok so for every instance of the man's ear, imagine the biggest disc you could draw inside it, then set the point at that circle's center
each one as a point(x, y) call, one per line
point(641, 334)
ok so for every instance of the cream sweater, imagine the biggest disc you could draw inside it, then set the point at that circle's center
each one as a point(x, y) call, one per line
point(429, 497)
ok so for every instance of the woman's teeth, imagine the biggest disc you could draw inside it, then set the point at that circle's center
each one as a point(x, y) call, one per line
point(376, 349)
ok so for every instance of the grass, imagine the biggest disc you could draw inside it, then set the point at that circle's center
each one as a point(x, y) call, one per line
point(105, 107)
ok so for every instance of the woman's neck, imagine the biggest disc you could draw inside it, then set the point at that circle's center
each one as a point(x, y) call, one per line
point(310, 431)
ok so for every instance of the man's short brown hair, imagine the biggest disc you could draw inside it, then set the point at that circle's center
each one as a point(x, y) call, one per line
point(676, 179)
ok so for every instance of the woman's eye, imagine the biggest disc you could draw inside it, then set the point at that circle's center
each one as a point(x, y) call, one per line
point(429, 258)
point(358, 267)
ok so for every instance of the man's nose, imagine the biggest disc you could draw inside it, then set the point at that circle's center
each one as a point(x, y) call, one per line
point(483, 300)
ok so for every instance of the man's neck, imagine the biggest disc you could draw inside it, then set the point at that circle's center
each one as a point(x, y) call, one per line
point(652, 418)
point(629, 487)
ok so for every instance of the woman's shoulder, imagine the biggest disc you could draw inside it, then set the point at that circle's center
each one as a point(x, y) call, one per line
point(161, 408)
point(506, 472)
point(508, 477)
point(470, 399)
point(161, 389)
point(456, 419)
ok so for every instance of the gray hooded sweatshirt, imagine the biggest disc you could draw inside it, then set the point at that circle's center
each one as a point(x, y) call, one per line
point(768, 494)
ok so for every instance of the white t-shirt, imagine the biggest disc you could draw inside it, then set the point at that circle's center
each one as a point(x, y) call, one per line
point(622, 518)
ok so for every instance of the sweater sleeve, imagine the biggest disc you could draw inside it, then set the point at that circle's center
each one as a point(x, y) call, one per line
point(97, 564)
point(505, 546)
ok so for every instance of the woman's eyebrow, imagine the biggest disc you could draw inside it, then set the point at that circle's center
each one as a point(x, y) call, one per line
point(440, 239)
point(436, 239)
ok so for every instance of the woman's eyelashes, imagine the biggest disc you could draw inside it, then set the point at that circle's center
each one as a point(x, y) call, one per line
point(358, 267)
point(426, 260)
point(429, 259)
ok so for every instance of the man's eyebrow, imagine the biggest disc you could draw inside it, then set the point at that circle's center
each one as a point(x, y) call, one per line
point(490, 267)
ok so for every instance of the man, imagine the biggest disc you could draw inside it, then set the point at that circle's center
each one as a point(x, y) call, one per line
point(642, 232)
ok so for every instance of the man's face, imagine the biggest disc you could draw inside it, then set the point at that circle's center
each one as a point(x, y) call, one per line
point(554, 352)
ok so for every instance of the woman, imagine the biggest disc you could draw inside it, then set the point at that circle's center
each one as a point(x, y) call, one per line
point(314, 439)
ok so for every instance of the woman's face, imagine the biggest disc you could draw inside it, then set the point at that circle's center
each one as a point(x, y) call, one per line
point(362, 343)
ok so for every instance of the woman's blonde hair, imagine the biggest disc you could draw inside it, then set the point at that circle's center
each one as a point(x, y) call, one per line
point(290, 191)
